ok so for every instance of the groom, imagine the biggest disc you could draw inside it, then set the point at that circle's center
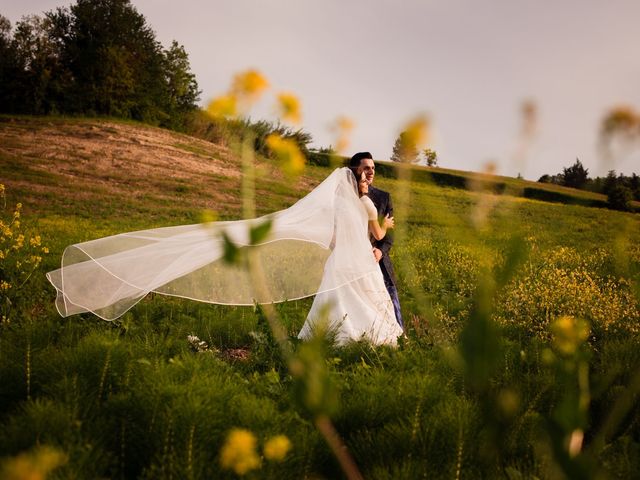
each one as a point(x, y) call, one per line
point(363, 162)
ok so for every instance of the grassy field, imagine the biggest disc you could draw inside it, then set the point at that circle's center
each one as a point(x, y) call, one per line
point(521, 358)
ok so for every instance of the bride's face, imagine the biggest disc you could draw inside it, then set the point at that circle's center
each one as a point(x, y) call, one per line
point(363, 185)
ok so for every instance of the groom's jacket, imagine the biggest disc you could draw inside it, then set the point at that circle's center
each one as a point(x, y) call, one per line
point(382, 201)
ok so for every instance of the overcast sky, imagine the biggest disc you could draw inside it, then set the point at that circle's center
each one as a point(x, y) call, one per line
point(468, 64)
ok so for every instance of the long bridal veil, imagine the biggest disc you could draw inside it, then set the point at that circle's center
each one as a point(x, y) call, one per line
point(110, 275)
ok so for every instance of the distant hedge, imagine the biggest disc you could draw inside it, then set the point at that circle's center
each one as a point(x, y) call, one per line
point(560, 197)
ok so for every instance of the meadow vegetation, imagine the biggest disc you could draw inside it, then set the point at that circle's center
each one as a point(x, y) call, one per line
point(521, 358)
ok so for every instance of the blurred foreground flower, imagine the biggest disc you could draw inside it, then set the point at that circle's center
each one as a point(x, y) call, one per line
point(223, 106)
point(276, 448)
point(246, 88)
point(249, 85)
point(342, 128)
point(569, 333)
point(417, 131)
point(35, 465)
point(239, 452)
point(410, 141)
point(289, 107)
point(288, 153)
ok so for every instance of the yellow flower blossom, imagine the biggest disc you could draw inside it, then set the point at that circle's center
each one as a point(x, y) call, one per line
point(569, 333)
point(343, 127)
point(19, 242)
point(223, 106)
point(45, 250)
point(239, 452)
point(4, 285)
point(291, 159)
point(289, 107)
point(276, 448)
point(417, 131)
point(249, 85)
point(36, 464)
point(35, 241)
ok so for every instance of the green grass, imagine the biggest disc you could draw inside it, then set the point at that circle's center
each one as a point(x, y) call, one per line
point(480, 388)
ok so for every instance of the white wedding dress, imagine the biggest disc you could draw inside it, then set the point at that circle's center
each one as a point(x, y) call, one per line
point(319, 246)
point(362, 308)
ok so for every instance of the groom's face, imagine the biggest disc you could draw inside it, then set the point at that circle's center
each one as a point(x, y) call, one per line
point(369, 168)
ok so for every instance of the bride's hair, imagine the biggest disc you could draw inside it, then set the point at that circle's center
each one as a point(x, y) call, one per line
point(357, 179)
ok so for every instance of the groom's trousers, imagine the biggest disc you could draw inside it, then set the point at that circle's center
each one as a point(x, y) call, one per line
point(393, 293)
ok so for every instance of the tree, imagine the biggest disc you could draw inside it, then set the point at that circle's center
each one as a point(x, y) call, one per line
point(405, 150)
point(634, 185)
point(555, 179)
point(116, 64)
point(431, 157)
point(575, 176)
point(619, 198)
point(42, 76)
point(182, 87)
point(95, 57)
point(546, 178)
point(8, 67)
point(610, 181)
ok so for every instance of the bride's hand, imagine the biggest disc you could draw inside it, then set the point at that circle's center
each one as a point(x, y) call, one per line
point(388, 222)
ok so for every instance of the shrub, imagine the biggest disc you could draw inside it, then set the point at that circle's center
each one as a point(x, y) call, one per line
point(619, 198)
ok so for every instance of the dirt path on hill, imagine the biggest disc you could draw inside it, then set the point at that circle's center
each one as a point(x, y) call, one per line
point(113, 159)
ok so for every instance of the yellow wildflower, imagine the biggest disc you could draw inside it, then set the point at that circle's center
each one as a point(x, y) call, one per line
point(276, 448)
point(286, 150)
point(223, 106)
point(35, 241)
point(1, 189)
point(45, 250)
point(289, 106)
point(249, 85)
point(343, 127)
point(19, 242)
point(4, 285)
point(239, 452)
point(417, 131)
point(35, 464)
point(569, 333)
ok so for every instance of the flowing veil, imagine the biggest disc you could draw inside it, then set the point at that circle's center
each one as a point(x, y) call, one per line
point(110, 275)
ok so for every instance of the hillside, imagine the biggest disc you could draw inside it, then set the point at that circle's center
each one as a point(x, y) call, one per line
point(89, 167)
point(522, 328)
point(94, 168)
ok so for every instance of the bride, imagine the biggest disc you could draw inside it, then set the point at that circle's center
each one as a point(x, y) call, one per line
point(318, 246)
point(362, 308)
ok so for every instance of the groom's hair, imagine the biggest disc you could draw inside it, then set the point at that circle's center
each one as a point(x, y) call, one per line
point(355, 160)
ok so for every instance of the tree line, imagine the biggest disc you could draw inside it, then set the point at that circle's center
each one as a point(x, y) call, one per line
point(94, 58)
point(619, 188)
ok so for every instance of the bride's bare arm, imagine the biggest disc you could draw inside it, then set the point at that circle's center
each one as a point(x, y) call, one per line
point(379, 231)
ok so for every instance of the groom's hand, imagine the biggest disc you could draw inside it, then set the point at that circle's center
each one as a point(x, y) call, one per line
point(377, 253)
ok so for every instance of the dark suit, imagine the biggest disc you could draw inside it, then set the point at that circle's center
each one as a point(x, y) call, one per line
point(382, 201)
